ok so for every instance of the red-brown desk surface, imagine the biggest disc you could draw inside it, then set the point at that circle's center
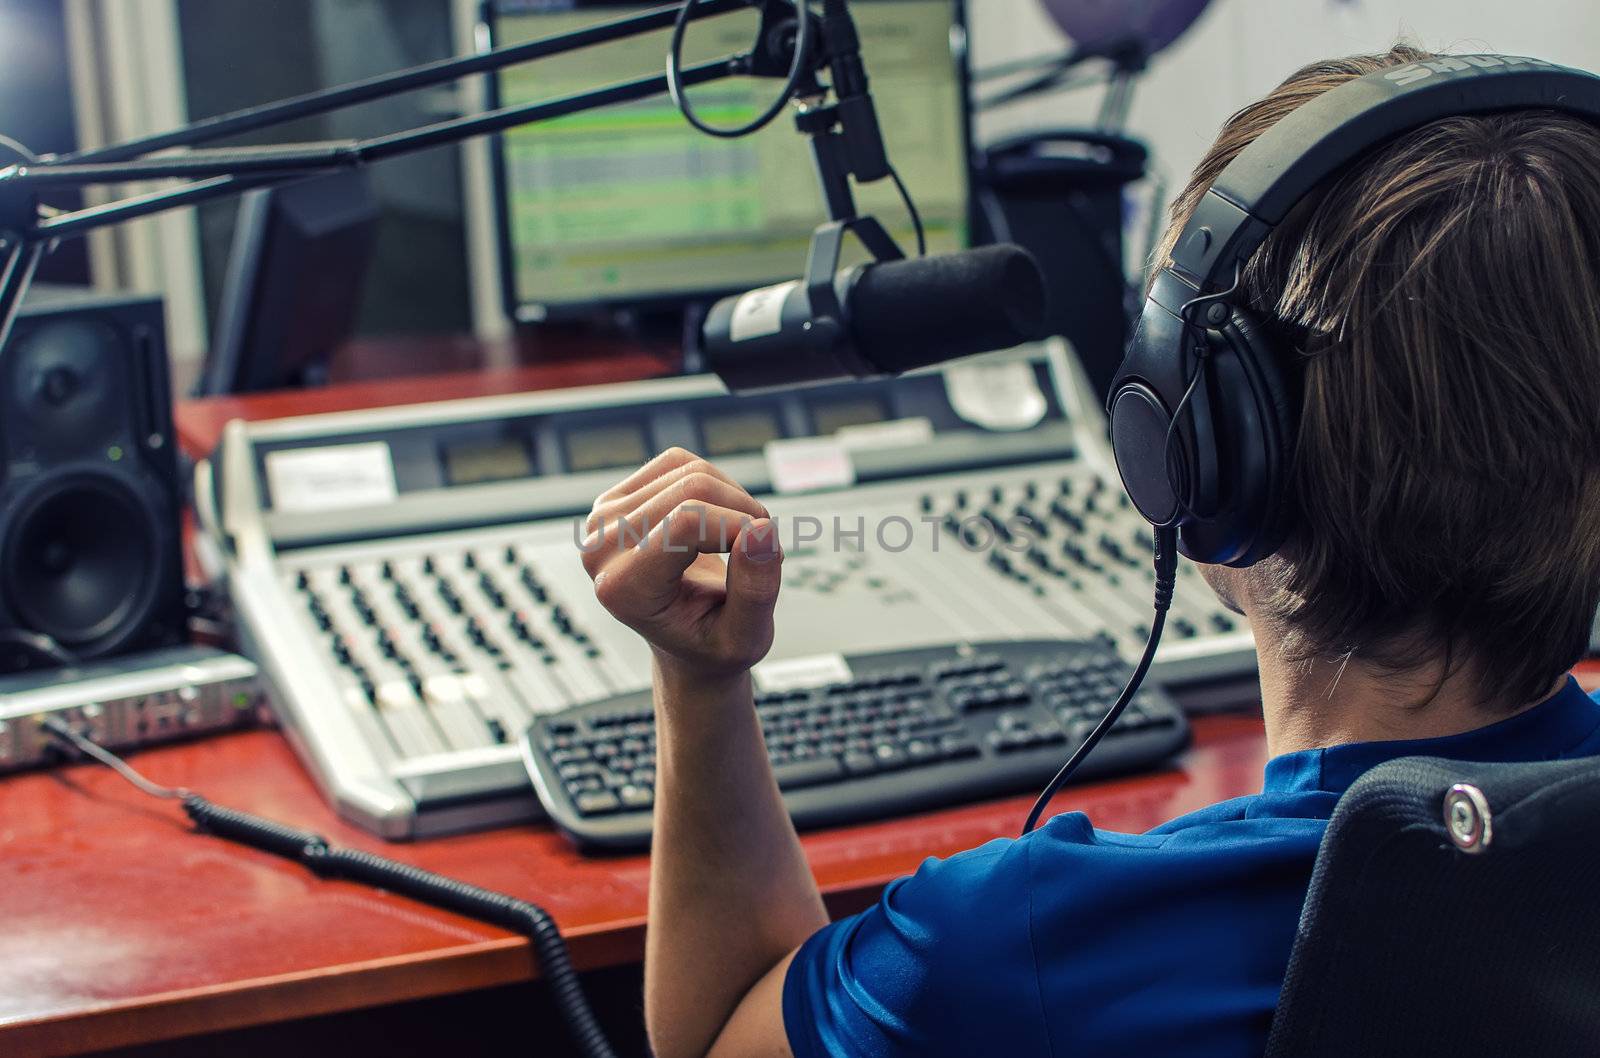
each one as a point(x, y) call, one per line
point(120, 925)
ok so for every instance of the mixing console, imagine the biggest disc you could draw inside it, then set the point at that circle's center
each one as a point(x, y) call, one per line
point(454, 643)
point(408, 645)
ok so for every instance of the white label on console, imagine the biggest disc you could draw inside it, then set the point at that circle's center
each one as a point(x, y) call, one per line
point(759, 313)
point(806, 464)
point(800, 674)
point(894, 433)
point(1002, 395)
point(331, 477)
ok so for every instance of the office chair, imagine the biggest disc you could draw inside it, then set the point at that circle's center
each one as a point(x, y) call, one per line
point(1454, 911)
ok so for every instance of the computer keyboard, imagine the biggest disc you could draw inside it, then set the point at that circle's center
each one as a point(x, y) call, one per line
point(906, 731)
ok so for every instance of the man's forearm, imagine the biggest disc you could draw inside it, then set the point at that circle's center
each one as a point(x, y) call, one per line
point(730, 891)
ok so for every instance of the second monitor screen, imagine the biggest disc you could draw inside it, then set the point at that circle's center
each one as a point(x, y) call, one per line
point(629, 203)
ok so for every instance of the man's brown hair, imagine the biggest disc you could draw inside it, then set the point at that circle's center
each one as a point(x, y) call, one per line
point(1444, 296)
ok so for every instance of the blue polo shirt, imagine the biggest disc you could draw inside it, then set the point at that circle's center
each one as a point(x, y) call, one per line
point(1075, 942)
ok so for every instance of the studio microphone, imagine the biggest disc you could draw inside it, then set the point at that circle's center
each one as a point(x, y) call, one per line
point(892, 316)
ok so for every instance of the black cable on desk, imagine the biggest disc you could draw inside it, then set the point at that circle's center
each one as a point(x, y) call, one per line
point(312, 851)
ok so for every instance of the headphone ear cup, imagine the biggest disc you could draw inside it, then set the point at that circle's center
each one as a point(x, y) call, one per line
point(1253, 414)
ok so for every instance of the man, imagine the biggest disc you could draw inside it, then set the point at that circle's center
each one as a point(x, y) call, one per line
point(1444, 295)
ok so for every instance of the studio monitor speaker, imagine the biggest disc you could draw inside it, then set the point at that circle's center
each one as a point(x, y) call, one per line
point(90, 561)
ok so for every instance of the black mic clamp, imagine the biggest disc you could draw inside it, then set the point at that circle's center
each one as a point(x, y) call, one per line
point(846, 143)
point(777, 36)
point(858, 118)
point(863, 153)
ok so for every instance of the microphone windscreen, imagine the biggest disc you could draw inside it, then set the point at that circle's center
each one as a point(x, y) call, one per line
point(925, 310)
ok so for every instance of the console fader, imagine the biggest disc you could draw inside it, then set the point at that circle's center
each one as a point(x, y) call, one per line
point(452, 649)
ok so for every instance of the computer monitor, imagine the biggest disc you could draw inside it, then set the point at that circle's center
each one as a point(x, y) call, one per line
point(629, 206)
point(299, 258)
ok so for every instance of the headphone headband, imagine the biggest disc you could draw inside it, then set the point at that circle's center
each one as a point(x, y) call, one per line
point(1259, 187)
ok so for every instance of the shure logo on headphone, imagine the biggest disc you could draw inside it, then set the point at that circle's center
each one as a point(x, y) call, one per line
point(1411, 73)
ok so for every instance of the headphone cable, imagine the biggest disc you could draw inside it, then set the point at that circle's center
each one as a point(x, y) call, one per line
point(1201, 357)
point(1166, 562)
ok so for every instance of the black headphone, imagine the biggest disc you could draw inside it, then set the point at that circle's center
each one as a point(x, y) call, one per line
point(1204, 410)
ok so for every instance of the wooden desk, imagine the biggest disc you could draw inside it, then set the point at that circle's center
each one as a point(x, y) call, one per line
point(122, 926)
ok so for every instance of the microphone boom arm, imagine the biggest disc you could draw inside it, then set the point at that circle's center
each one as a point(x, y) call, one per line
point(846, 142)
point(29, 229)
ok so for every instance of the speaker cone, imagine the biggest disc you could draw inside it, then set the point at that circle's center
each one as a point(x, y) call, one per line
point(82, 561)
point(64, 382)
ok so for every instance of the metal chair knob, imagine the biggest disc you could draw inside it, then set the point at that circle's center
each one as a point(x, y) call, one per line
point(1467, 818)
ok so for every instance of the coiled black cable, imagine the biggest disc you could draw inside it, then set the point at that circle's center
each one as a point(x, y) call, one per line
point(327, 861)
point(312, 851)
